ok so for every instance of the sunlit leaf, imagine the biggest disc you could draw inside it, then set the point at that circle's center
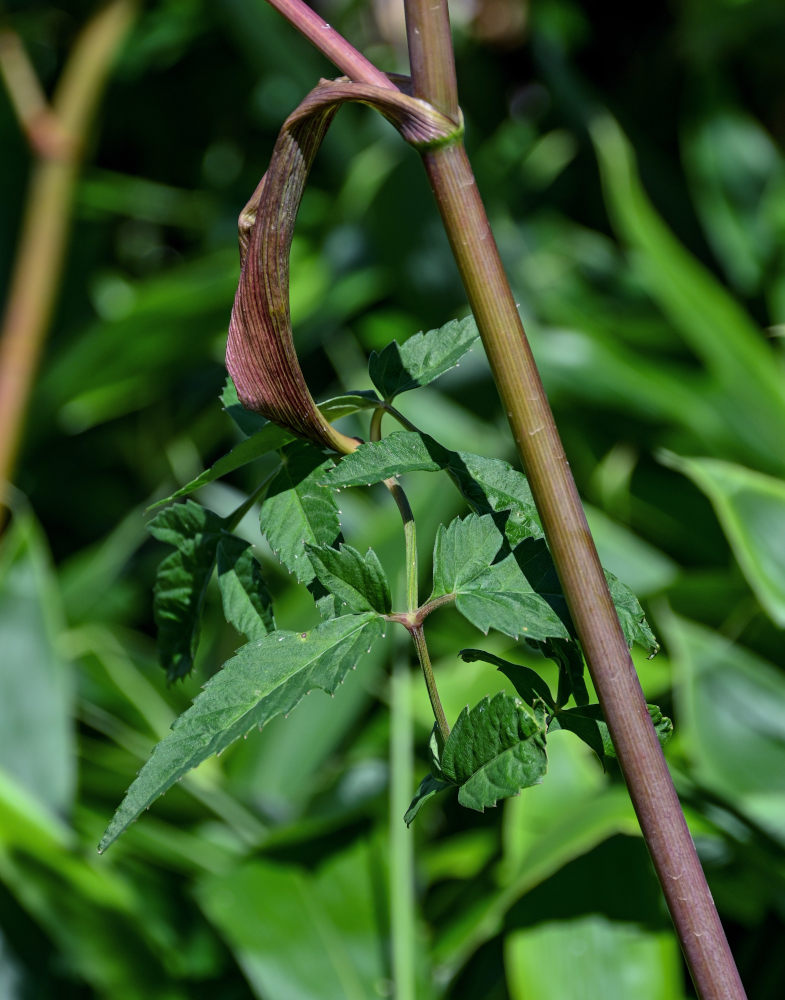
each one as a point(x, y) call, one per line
point(422, 358)
point(357, 581)
point(494, 750)
point(501, 595)
point(265, 679)
point(247, 603)
point(298, 510)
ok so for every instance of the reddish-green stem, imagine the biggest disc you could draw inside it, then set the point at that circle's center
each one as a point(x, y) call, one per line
point(553, 487)
point(418, 635)
point(330, 43)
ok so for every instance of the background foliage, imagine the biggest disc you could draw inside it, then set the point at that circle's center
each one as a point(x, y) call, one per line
point(653, 288)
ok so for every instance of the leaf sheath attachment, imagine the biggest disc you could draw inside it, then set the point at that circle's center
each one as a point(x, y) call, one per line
point(260, 354)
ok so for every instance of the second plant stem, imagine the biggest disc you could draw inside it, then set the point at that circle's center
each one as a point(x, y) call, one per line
point(415, 629)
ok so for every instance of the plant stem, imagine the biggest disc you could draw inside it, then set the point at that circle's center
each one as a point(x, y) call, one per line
point(402, 901)
point(330, 43)
point(429, 41)
point(418, 635)
point(409, 527)
point(553, 487)
point(58, 136)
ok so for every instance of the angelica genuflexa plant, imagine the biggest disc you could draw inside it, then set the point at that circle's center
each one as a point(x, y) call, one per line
point(494, 578)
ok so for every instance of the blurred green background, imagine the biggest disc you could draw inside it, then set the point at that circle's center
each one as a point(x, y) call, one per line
point(652, 285)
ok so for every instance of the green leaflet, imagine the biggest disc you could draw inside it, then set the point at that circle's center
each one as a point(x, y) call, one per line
point(491, 486)
point(357, 581)
point(631, 617)
point(502, 595)
point(347, 403)
point(264, 679)
point(422, 358)
point(181, 582)
point(494, 750)
point(298, 510)
point(200, 539)
point(247, 603)
point(395, 454)
point(463, 551)
point(751, 509)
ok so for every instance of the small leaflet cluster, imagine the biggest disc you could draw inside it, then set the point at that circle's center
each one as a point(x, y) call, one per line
point(493, 564)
